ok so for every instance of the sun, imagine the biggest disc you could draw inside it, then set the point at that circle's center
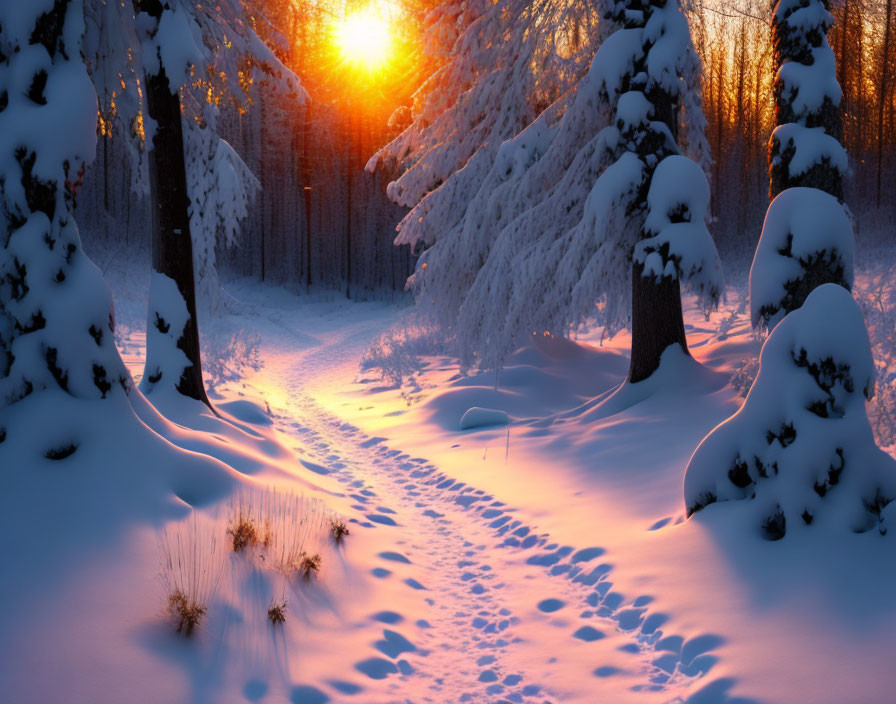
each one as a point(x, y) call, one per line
point(364, 39)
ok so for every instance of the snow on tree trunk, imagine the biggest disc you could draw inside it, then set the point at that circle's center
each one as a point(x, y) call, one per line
point(801, 450)
point(55, 310)
point(172, 340)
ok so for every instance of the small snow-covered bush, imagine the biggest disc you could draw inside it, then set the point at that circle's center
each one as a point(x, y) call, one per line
point(191, 562)
point(396, 352)
point(228, 355)
point(877, 297)
point(801, 448)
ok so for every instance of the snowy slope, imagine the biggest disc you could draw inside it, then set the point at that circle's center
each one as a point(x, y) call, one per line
point(544, 560)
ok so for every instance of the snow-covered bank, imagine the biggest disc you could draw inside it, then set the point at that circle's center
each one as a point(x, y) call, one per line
point(544, 560)
point(807, 619)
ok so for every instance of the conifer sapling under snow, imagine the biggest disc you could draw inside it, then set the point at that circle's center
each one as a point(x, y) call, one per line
point(801, 449)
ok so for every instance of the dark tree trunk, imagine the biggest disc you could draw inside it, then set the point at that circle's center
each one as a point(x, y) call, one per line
point(306, 189)
point(172, 247)
point(657, 322)
point(348, 206)
point(882, 100)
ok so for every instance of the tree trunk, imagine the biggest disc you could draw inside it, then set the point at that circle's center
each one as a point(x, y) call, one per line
point(882, 98)
point(657, 322)
point(348, 207)
point(172, 247)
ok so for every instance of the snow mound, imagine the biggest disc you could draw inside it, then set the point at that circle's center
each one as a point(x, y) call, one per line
point(801, 447)
point(477, 417)
point(806, 240)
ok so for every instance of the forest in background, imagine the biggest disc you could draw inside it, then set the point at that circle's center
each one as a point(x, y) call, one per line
point(319, 220)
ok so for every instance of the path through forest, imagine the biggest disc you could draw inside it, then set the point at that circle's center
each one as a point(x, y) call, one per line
point(490, 580)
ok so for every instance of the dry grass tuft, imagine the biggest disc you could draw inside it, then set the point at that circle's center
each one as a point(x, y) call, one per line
point(244, 523)
point(190, 570)
point(277, 611)
point(309, 565)
point(296, 526)
point(243, 534)
point(338, 530)
point(187, 614)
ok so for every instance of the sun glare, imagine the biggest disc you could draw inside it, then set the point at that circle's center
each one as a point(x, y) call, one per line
point(364, 39)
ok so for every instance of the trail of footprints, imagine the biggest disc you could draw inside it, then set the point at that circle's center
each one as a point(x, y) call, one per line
point(467, 601)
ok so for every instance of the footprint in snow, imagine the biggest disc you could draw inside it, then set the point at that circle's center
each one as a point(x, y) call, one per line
point(376, 668)
point(394, 557)
point(394, 644)
point(306, 694)
point(549, 606)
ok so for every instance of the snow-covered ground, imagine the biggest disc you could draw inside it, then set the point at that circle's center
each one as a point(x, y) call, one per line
point(542, 560)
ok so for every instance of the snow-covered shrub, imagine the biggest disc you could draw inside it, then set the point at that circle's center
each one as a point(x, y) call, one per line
point(221, 189)
point(397, 352)
point(227, 354)
point(877, 297)
point(806, 241)
point(55, 311)
point(801, 449)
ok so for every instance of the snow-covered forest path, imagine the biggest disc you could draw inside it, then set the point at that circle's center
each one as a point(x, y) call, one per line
point(510, 614)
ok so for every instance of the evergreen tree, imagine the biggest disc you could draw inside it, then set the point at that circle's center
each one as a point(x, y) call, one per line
point(805, 152)
point(172, 338)
point(800, 452)
point(55, 311)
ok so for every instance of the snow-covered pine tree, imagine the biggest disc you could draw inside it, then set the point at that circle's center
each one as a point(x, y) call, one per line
point(673, 194)
point(55, 310)
point(500, 64)
point(805, 153)
point(800, 452)
point(805, 149)
point(172, 339)
point(541, 242)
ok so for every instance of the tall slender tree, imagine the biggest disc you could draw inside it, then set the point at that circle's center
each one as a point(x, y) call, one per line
point(805, 152)
point(173, 332)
